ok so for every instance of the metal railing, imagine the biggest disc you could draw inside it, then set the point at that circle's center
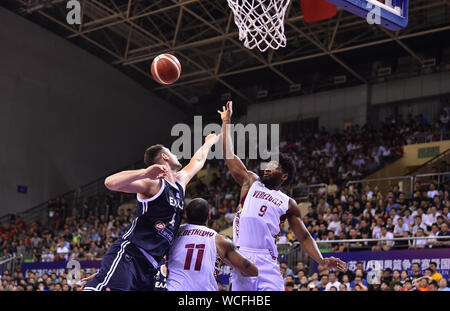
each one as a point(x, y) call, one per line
point(441, 178)
point(439, 157)
point(297, 253)
point(74, 199)
point(424, 138)
point(386, 239)
point(368, 247)
point(405, 183)
point(10, 263)
point(298, 193)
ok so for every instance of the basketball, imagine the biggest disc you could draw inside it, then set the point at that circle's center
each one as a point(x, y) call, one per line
point(166, 69)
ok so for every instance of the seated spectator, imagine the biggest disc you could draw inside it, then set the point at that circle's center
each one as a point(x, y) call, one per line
point(335, 224)
point(418, 224)
point(47, 255)
point(408, 286)
point(423, 283)
point(290, 283)
point(433, 233)
point(323, 282)
point(403, 277)
point(333, 282)
point(434, 274)
point(445, 242)
point(419, 243)
point(432, 192)
point(397, 287)
point(433, 287)
point(62, 250)
point(443, 286)
point(384, 244)
point(384, 286)
point(299, 267)
point(288, 270)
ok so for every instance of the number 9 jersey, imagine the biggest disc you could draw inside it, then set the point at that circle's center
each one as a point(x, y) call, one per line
point(257, 222)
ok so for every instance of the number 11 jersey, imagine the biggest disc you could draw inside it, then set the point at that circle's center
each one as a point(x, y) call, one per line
point(192, 259)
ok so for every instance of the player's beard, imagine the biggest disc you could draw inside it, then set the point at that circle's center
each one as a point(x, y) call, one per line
point(269, 182)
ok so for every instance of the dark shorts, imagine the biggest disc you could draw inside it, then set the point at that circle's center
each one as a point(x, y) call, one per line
point(124, 268)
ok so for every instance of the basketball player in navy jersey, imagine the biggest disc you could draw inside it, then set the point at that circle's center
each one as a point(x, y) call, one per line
point(133, 260)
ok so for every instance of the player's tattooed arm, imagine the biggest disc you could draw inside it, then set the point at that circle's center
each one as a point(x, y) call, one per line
point(137, 181)
point(237, 169)
point(304, 237)
point(230, 255)
point(198, 160)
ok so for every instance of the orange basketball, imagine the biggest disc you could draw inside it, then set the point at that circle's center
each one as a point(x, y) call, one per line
point(166, 69)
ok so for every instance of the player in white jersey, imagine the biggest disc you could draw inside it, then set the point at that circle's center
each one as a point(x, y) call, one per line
point(192, 257)
point(257, 224)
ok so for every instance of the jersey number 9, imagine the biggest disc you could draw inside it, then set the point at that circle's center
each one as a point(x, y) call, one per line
point(262, 211)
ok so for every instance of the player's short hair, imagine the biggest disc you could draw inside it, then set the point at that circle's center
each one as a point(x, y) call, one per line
point(197, 211)
point(287, 166)
point(152, 153)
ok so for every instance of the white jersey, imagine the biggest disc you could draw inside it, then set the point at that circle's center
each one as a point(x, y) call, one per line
point(192, 259)
point(257, 223)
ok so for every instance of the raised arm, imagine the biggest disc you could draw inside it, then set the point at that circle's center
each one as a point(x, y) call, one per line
point(137, 181)
point(197, 161)
point(237, 169)
point(228, 253)
point(304, 237)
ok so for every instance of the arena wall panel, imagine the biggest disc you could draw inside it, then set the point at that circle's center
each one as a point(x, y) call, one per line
point(66, 117)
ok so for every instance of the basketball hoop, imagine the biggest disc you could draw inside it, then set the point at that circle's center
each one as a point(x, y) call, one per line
point(260, 22)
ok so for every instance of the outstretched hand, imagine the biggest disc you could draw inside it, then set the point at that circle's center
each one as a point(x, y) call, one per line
point(335, 263)
point(226, 113)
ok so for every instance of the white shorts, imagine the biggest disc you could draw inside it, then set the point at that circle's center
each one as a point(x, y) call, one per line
point(269, 275)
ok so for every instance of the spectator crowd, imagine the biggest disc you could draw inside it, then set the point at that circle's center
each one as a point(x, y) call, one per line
point(342, 212)
point(298, 279)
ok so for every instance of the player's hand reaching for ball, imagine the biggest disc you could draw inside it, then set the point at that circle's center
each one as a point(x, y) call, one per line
point(156, 171)
point(335, 263)
point(226, 112)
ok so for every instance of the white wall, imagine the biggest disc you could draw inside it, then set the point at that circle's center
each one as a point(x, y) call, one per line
point(411, 88)
point(331, 107)
point(413, 95)
point(66, 117)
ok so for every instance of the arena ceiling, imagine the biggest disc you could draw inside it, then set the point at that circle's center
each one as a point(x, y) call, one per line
point(128, 34)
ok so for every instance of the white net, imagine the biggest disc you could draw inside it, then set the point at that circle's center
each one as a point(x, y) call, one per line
point(260, 22)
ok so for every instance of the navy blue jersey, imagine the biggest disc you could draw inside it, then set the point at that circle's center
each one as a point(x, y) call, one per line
point(157, 221)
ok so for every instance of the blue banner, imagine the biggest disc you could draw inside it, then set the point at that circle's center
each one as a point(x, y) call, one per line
point(397, 259)
point(60, 266)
